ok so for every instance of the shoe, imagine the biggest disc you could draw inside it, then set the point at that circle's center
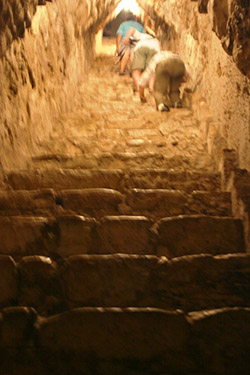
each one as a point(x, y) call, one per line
point(122, 73)
point(143, 99)
point(163, 108)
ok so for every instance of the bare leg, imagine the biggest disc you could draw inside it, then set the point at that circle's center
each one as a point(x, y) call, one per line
point(131, 61)
point(141, 94)
point(124, 62)
point(136, 73)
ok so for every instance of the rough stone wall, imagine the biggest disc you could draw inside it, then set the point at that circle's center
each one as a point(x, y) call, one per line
point(212, 36)
point(46, 47)
point(45, 50)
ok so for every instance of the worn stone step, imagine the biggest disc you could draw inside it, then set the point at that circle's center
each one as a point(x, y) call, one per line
point(170, 179)
point(163, 202)
point(26, 235)
point(33, 202)
point(99, 202)
point(64, 179)
point(96, 202)
point(150, 178)
point(118, 341)
point(195, 234)
point(71, 234)
point(123, 160)
point(124, 335)
point(188, 283)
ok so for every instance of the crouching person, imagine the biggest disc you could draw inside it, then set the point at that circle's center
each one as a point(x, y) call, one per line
point(167, 70)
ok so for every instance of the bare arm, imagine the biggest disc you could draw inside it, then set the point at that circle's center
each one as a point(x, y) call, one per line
point(130, 32)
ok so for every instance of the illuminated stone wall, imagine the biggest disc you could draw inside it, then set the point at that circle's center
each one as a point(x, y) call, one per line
point(212, 36)
point(47, 46)
point(45, 53)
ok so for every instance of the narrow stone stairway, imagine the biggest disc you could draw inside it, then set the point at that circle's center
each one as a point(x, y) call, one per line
point(120, 253)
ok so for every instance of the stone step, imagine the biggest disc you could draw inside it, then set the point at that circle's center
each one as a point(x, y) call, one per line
point(68, 235)
point(119, 341)
point(194, 234)
point(189, 283)
point(162, 202)
point(146, 178)
point(125, 160)
point(99, 202)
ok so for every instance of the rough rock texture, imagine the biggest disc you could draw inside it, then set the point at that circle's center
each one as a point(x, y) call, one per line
point(132, 341)
point(221, 78)
point(44, 54)
point(46, 46)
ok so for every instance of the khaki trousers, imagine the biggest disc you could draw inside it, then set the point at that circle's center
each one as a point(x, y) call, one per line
point(168, 78)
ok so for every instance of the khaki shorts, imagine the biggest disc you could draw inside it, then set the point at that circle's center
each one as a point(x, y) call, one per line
point(142, 56)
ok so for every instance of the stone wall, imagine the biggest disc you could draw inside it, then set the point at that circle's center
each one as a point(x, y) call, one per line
point(45, 50)
point(213, 38)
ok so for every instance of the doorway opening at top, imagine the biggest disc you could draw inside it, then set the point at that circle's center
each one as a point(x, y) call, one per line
point(128, 5)
point(105, 39)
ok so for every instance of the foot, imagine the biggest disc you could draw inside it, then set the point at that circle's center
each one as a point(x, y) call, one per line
point(122, 73)
point(178, 105)
point(143, 99)
point(163, 108)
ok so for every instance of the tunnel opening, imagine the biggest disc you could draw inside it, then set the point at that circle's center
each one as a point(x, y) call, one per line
point(208, 36)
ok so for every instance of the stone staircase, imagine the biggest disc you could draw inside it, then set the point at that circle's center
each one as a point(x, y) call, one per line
point(125, 257)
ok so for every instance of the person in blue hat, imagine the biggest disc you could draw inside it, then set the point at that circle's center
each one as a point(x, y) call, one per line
point(122, 50)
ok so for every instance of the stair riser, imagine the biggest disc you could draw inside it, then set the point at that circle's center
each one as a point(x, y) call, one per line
point(131, 341)
point(186, 283)
point(171, 237)
point(97, 203)
point(113, 179)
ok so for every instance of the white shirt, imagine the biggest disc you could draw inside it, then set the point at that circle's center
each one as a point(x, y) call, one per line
point(146, 40)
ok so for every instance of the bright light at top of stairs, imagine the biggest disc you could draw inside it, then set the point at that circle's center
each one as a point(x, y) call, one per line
point(128, 5)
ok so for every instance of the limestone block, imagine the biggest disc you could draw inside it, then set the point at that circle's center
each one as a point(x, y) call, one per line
point(8, 280)
point(39, 284)
point(95, 202)
point(161, 202)
point(232, 279)
point(220, 340)
point(32, 201)
point(24, 235)
point(164, 179)
point(125, 234)
point(64, 179)
point(109, 280)
point(197, 234)
point(199, 282)
point(75, 234)
point(17, 328)
point(115, 333)
point(215, 203)
point(182, 282)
